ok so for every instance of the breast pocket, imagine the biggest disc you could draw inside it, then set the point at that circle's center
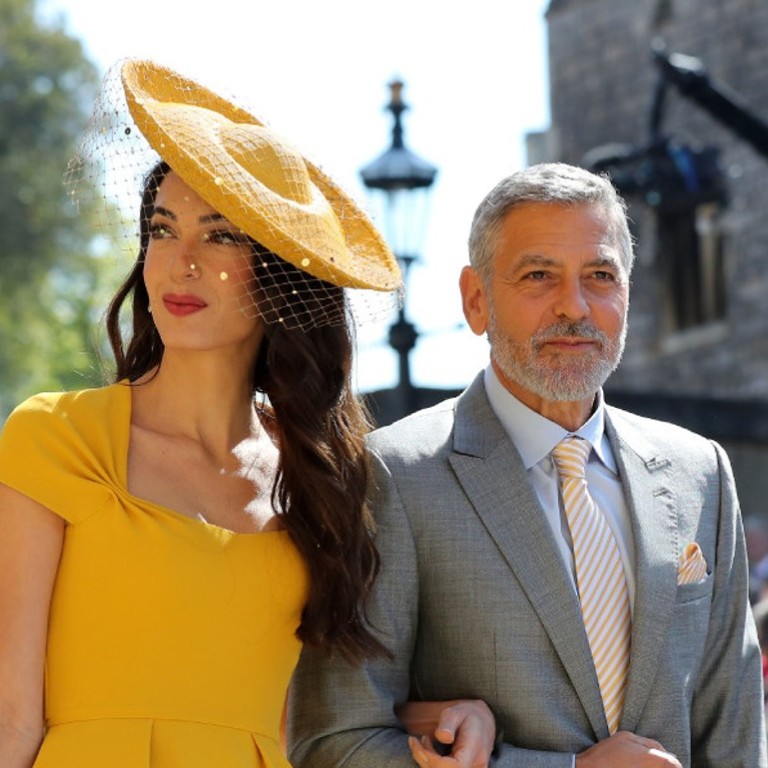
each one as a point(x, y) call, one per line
point(687, 593)
point(687, 636)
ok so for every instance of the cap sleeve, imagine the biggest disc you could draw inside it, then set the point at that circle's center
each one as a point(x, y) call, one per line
point(49, 450)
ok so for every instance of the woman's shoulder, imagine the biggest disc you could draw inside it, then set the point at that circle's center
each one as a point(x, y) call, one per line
point(46, 423)
point(72, 407)
point(65, 438)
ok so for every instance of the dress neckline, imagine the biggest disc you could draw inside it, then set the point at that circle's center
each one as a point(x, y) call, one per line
point(126, 396)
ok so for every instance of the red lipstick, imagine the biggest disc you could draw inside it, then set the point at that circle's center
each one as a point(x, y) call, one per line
point(184, 304)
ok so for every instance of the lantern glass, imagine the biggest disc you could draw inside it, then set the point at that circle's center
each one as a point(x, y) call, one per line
point(402, 215)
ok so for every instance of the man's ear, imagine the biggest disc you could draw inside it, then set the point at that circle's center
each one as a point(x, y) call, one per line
point(474, 300)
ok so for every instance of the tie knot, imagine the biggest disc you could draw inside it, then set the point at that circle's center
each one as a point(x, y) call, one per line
point(570, 457)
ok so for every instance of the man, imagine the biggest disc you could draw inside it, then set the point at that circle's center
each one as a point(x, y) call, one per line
point(643, 654)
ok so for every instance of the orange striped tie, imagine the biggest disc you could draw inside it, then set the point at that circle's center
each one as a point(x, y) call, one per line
point(600, 578)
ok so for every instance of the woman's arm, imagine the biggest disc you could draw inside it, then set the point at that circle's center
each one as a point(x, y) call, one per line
point(466, 726)
point(31, 539)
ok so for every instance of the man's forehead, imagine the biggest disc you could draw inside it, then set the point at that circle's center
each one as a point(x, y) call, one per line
point(554, 251)
point(551, 228)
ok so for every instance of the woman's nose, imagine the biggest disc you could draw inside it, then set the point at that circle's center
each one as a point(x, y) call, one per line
point(185, 264)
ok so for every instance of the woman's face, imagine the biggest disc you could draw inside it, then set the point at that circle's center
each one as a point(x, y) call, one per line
point(198, 273)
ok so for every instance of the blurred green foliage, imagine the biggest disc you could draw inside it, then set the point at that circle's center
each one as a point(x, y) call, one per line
point(52, 285)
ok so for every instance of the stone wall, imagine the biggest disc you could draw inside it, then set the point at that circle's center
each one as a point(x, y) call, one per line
point(602, 80)
point(711, 377)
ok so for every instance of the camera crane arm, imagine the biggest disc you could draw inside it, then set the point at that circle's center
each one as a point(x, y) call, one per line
point(689, 76)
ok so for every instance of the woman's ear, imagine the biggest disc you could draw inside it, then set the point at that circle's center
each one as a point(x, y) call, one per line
point(474, 300)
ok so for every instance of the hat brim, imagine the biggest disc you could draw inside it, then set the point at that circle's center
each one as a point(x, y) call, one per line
point(226, 154)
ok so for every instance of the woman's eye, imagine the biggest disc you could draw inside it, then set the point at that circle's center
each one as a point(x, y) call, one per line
point(225, 237)
point(159, 231)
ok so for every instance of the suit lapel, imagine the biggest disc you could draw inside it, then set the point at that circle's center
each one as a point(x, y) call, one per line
point(492, 475)
point(646, 477)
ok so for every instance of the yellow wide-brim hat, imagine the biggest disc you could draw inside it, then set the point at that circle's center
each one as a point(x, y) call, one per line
point(257, 180)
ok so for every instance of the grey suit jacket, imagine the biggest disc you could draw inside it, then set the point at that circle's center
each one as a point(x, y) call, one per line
point(475, 601)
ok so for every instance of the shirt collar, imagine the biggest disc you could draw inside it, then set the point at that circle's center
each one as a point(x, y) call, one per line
point(535, 436)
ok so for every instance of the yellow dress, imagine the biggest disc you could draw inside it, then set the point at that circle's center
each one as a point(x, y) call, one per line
point(171, 641)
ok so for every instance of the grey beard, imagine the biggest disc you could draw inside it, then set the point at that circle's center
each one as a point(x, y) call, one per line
point(574, 379)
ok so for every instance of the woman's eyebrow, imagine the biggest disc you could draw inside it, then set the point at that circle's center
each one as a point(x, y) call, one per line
point(158, 209)
point(208, 218)
point(205, 219)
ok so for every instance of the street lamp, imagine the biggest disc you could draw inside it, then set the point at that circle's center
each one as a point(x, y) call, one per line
point(399, 182)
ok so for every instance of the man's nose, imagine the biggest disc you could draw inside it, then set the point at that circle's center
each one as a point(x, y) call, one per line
point(571, 301)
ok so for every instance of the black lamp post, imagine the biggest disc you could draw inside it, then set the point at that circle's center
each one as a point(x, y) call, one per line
point(400, 182)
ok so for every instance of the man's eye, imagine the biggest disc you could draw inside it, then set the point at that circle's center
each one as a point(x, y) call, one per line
point(603, 274)
point(538, 274)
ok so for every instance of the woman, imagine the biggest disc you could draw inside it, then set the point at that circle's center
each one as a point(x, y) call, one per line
point(170, 540)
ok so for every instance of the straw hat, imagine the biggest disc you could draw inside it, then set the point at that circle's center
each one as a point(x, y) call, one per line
point(257, 180)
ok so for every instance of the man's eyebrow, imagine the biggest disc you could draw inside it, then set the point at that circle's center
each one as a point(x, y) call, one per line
point(535, 260)
point(605, 261)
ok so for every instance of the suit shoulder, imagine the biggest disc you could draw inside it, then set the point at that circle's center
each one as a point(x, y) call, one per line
point(654, 425)
point(660, 434)
point(422, 432)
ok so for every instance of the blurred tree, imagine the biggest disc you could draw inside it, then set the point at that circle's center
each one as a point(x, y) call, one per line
point(49, 277)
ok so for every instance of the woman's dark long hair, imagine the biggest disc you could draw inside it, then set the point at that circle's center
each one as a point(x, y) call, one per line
point(323, 472)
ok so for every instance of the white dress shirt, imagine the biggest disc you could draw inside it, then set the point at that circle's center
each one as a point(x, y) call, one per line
point(535, 437)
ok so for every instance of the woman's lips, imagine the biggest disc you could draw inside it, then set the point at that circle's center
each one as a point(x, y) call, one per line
point(183, 304)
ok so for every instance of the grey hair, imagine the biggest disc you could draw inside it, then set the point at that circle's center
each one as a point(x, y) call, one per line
point(546, 183)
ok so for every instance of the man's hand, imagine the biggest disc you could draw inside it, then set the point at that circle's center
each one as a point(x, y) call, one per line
point(627, 750)
point(468, 728)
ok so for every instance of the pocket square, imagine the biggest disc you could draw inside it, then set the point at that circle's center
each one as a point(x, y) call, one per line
point(692, 567)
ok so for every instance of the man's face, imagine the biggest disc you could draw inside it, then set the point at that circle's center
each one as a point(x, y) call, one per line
point(556, 305)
